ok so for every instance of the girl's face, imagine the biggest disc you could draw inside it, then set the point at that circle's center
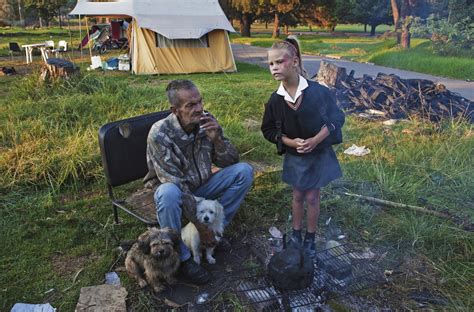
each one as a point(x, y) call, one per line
point(282, 65)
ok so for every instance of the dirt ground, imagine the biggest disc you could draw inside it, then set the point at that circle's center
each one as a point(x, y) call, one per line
point(401, 289)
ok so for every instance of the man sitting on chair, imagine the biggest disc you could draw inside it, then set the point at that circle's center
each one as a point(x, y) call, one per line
point(180, 152)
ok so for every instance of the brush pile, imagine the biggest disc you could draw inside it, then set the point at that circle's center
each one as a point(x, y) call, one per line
point(391, 97)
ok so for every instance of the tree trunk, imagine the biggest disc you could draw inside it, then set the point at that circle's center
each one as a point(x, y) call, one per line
point(372, 30)
point(365, 28)
point(406, 36)
point(22, 21)
point(286, 30)
point(310, 27)
point(396, 14)
point(331, 75)
point(59, 18)
point(245, 24)
point(276, 26)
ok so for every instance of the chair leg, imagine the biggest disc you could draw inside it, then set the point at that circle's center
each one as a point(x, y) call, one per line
point(115, 214)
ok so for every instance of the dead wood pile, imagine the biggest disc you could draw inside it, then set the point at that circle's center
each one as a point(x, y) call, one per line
point(391, 97)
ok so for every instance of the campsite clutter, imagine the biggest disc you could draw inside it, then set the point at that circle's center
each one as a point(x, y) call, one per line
point(177, 40)
point(391, 97)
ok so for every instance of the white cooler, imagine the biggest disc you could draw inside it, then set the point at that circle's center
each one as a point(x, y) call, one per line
point(124, 62)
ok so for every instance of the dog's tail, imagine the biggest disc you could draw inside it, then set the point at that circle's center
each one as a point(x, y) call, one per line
point(125, 246)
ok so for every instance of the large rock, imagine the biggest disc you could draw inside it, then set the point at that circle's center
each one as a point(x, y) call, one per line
point(105, 298)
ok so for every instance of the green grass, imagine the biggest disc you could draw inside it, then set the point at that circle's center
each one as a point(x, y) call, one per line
point(55, 219)
point(29, 36)
point(421, 59)
point(385, 52)
point(349, 28)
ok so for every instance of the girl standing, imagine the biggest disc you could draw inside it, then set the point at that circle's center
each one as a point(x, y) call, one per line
point(300, 117)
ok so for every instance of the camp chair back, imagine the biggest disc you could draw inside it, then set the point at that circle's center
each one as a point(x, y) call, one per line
point(123, 150)
point(14, 48)
point(49, 44)
point(62, 47)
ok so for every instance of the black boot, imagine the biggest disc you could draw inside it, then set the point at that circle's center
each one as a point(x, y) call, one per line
point(295, 239)
point(193, 272)
point(309, 245)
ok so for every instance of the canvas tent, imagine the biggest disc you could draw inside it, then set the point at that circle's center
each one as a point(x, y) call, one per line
point(171, 36)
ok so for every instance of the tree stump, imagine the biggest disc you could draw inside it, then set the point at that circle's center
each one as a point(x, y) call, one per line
point(57, 68)
point(331, 75)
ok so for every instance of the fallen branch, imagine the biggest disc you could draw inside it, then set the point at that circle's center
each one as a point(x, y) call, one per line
point(399, 205)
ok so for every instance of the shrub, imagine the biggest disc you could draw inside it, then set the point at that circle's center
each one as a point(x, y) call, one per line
point(446, 38)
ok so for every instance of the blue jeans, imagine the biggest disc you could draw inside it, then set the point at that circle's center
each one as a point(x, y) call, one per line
point(229, 185)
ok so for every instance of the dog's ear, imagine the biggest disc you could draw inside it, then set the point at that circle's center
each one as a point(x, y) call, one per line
point(173, 234)
point(143, 242)
point(199, 199)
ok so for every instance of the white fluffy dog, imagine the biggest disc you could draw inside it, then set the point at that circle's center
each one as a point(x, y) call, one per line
point(210, 213)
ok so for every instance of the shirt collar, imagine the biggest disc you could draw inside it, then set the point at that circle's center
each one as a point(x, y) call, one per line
point(302, 84)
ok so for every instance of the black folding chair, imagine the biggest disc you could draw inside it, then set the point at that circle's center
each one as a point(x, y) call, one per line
point(123, 150)
point(14, 48)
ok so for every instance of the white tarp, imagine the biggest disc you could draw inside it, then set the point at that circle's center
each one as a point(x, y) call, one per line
point(174, 19)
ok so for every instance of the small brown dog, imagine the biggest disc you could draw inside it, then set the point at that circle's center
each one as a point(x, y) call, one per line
point(154, 258)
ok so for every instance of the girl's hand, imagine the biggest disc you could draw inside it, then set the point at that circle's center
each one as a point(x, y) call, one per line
point(308, 145)
point(292, 142)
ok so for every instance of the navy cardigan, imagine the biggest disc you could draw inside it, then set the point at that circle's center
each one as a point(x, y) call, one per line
point(306, 121)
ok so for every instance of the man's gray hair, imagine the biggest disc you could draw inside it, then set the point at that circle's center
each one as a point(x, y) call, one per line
point(173, 88)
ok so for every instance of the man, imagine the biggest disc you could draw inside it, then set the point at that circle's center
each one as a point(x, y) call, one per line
point(180, 151)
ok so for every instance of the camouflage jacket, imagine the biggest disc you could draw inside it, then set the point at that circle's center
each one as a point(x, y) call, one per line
point(184, 159)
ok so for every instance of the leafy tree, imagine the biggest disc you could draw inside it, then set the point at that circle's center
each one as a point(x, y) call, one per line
point(278, 8)
point(321, 13)
point(373, 13)
point(246, 11)
point(46, 9)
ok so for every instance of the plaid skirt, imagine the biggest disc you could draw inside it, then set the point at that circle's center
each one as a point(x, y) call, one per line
point(311, 171)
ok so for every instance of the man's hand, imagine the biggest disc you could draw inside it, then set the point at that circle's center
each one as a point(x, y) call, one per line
point(211, 126)
point(208, 237)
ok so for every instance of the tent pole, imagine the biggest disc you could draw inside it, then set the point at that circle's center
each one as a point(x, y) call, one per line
point(69, 31)
point(80, 33)
point(88, 38)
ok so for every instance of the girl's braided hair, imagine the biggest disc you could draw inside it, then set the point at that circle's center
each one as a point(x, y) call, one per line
point(292, 46)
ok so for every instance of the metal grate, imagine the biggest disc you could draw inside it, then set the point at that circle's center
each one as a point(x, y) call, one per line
point(339, 271)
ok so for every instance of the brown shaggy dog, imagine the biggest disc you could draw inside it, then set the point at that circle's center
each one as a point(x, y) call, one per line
point(154, 258)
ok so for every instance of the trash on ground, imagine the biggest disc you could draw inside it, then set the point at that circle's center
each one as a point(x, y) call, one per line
point(112, 278)
point(390, 122)
point(275, 232)
point(357, 150)
point(202, 298)
point(26, 307)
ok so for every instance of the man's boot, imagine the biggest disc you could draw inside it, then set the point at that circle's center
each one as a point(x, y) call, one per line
point(193, 272)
